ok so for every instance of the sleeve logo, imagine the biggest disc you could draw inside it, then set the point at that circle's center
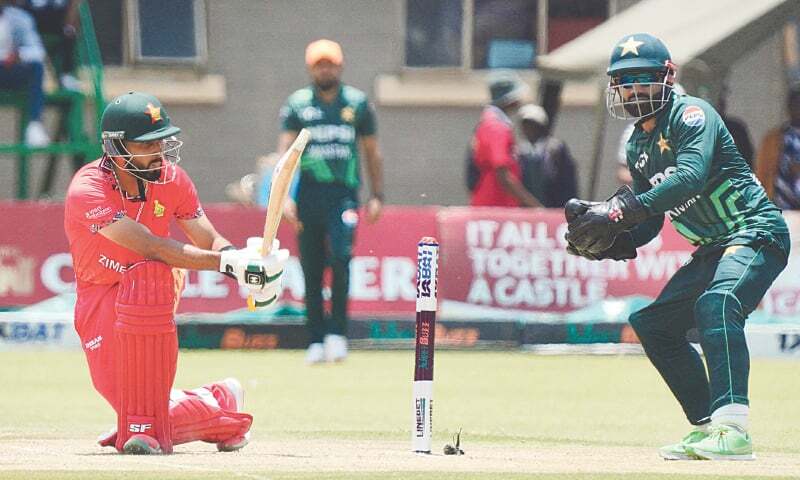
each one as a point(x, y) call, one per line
point(97, 212)
point(694, 116)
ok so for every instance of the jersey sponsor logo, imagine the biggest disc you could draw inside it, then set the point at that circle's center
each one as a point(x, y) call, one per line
point(309, 114)
point(111, 264)
point(693, 116)
point(659, 177)
point(680, 209)
point(643, 158)
point(331, 151)
point(333, 133)
point(97, 212)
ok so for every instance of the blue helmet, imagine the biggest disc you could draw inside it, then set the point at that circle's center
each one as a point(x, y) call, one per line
point(639, 59)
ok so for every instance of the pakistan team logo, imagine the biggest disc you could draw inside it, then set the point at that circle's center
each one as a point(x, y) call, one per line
point(348, 114)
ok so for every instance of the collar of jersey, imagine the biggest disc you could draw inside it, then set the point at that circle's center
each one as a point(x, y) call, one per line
point(319, 101)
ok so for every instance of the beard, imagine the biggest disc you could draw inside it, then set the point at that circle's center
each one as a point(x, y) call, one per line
point(151, 173)
point(643, 106)
point(327, 84)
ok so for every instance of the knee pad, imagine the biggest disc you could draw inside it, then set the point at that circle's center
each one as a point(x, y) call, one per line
point(147, 352)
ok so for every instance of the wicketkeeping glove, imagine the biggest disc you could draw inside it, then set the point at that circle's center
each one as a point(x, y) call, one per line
point(622, 249)
point(261, 274)
point(595, 230)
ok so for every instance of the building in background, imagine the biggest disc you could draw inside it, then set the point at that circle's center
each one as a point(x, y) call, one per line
point(223, 69)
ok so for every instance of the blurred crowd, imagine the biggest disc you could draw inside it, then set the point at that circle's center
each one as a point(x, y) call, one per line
point(31, 31)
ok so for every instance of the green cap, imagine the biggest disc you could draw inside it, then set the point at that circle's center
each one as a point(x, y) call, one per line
point(639, 51)
point(136, 117)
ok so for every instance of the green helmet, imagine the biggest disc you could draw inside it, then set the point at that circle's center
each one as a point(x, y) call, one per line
point(644, 60)
point(139, 117)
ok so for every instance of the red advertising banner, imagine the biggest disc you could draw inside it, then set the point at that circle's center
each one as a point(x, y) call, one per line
point(35, 263)
point(502, 263)
point(501, 259)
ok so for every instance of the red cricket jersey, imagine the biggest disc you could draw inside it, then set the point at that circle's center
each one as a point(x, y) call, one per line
point(493, 147)
point(94, 201)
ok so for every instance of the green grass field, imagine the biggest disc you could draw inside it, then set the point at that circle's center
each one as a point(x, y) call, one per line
point(523, 416)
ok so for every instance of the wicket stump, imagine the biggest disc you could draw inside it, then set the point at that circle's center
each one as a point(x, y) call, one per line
point(427, 289)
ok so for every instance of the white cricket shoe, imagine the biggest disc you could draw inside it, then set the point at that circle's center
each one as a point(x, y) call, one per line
point(335, 348)
point(70, 82)
point(36, 135)
point(315, 353)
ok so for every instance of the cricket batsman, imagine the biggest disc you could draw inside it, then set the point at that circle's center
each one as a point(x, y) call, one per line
point(685, 165)
point(117, 216)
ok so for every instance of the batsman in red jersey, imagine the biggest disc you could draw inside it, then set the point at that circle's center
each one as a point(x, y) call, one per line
point(118, 212)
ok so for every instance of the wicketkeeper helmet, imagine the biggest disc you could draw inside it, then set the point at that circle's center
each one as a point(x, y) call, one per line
point(640, 59)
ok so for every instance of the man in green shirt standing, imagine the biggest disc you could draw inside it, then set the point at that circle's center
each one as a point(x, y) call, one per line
point(685, 166)
point(325, 214)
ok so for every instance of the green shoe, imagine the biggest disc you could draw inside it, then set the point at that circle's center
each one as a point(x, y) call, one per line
point(724, 442)
point(677, 451)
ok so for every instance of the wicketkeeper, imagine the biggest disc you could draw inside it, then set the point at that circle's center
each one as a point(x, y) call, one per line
point(118, 212)
point(685, 165)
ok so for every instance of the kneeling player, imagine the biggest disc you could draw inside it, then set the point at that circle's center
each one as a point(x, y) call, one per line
point(117, 218)
point(684, 164)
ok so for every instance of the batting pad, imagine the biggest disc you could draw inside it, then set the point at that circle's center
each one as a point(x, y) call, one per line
point(147, 352)
point(197, 415)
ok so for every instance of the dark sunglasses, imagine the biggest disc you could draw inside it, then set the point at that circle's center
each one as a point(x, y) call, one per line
point(641, 77)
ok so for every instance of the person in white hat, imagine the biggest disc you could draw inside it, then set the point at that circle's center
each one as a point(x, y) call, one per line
point(548, 169)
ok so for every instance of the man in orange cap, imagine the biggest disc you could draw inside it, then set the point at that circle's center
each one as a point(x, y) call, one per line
point(342, 123)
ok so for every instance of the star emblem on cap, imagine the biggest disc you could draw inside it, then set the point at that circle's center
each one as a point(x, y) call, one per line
point(662, 143)
point(154, 113)
point(631, 45)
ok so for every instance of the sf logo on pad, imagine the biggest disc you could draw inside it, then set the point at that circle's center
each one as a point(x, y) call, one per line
point(140, 427)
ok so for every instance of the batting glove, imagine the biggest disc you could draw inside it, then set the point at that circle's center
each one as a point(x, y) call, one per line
point(261, 274)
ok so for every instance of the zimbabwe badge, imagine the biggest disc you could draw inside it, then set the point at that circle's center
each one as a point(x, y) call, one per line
point(153, 112)
point(158, 209)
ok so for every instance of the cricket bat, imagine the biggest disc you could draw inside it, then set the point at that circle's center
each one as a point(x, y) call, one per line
point(282, 176)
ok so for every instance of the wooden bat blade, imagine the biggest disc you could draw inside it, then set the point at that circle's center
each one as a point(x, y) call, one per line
point(279, 188)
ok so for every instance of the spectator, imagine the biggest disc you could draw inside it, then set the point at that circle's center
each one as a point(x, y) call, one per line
point(22, 66)
point(493, 147)
point(341, 121)
point(548, 169)
point(60, 19)
point(778, 163)
point(623, 174)
point(736, 127)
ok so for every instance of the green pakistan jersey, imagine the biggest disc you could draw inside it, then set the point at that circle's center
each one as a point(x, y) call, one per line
point(331, 155)
point(689, 169)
